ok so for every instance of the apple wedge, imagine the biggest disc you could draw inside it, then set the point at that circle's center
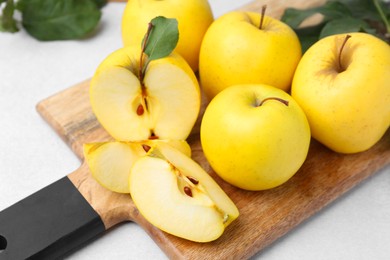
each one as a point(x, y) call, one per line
point(164, 105)
point(176, 195)
point(110, 162)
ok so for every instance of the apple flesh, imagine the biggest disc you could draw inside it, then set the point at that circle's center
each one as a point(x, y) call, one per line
point(255, 137)
point(348, 107)
point(164, 106)
point(110, 162)
point(177, 196)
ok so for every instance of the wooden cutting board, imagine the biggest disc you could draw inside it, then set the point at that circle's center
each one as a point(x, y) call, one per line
point(264, 216)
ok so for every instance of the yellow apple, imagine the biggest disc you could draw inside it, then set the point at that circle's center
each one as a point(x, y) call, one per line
point(110, 162)
point(165, 105)
point(176, 195)
point(194, 17)
point(255, 136)
point(345, 94)
point(235, 50)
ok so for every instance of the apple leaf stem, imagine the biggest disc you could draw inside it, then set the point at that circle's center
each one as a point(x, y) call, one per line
point(341, 68)
point(159, 41)
point(263, 8)
point(285, 102)
point(142, 66)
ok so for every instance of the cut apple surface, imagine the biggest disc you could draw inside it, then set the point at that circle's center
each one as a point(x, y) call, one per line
point(164, 105)
point(176, 195)
point(110, 162)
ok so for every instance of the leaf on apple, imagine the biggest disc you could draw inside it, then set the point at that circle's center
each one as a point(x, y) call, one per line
point(159, 41)
point(162, 39)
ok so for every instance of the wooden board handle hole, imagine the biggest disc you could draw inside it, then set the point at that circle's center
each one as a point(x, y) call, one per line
point(3, 244)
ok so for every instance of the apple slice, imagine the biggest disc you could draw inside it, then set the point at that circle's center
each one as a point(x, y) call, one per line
point(176, 195)
point(165, 104)
point(110, 162)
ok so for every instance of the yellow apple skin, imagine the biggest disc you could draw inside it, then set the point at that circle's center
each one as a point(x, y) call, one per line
point(235, 51)
point(173, 96)
point(250, 146)
point(194, 17)
point(348, 111)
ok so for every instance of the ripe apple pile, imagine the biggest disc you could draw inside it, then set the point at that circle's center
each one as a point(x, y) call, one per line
point(254, 134)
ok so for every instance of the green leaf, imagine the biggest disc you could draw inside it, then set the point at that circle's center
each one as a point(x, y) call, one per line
point(100, 3)
point(363, 9)
point(59, 19)
point(330, 10)
point(345, 25)
point(162, 39)
point(7, 21)
point(309, 35)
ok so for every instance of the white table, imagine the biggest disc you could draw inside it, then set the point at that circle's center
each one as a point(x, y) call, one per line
point(356, 226)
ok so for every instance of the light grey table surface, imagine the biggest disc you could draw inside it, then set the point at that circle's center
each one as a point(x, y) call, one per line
point(356, 226)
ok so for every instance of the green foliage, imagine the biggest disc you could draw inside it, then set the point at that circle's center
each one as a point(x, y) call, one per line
point(49, 20)
point(341, 16)
point(7, 22)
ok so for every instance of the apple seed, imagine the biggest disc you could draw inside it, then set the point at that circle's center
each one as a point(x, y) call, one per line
point(153, 136)
point(193, 180)
point(146, 147)
point(187, 191)
point(140, 110)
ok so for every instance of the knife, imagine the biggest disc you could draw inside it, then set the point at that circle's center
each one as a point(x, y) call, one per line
point(61, 217)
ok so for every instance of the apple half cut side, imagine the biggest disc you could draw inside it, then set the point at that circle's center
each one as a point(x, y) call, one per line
point(177, 196)
point(110, 162)
point(165, 105)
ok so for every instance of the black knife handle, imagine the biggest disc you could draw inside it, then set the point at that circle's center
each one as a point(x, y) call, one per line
point(48, 223)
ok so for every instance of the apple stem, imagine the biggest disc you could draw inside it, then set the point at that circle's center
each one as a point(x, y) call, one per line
point(142, 67)
point(341, 50)
point(262, 16)
point(285, 102)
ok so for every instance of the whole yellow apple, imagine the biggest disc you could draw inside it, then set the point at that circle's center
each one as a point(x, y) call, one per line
point(194, 17)
point(344, 88)
point(255, 136)
point(238, 49)
point(164, 105)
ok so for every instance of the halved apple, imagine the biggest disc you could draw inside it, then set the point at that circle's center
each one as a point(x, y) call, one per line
point(176, 195)
point(110, 162)
point(164, 105)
